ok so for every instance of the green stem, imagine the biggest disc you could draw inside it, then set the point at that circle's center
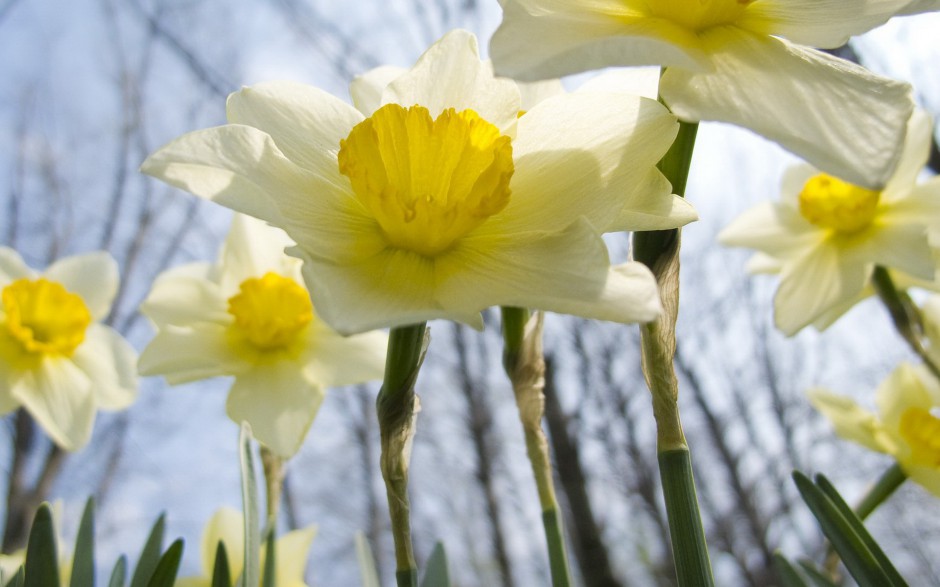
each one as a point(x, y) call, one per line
point(889, 481)
point(904, 315)
point(396, 406)
point(685, 521)
point(659, 250)
point(525, 366)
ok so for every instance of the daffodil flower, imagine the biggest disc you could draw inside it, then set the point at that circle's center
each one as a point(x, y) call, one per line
point(56, 359)
point(906, 426)
point(746, 62)
point(442, 201)
point(250, 316)
point(227, 526)
point(825, 235)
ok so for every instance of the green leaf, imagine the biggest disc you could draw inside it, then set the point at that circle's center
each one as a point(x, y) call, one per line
point(83, 565)
point(119, 574)
point(436, 574)
point(251, 574)
point(164, 575)
point(221, 574)
point(787, 573)
point(18, 579)
point(42, 562)
point(150, 555)
point(859, 528)
point(816, 577)
point(369, 576)
point(269, 560)
point(858, 559)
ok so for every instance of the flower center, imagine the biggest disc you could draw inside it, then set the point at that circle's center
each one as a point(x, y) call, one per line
point(427, 182)
point(921, 430)
point(829, 202)
point(270, 311)
point(694, 15)
point(44, 317)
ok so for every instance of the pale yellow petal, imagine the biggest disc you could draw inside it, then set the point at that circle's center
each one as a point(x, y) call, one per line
point(366, 89)
point(334, 359)
point(59, 396)
point(93, 276)
point(111, 363)
point(12, 266)
point(227, 526)
point(850, 420)
point(185, 295)
point(189, 354)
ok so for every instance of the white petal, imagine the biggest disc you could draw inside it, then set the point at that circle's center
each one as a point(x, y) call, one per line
point(12, 266)
point(227, 526)
point(581, 154)
point(848, 418)
point(901, 391)
point(183, 355)
point(819, 23)
point(540, 44)
point(450, 74)
point(293, 550)
point(775, 229)
point(793, 182)
point(93, 276)
point(279, 400)
point(333, 359)
point(813, 284)
point(566, 272)
point(532, 93)
point(652, 206)
point(59, 396)
point(638, 81)
point(236, 166)
point(185, 295)
point(763, 263)
point(391, 288)
point(836, 115)
point(366, 89)
point(305, 122)
point(914, 155)
point(252, 249)
point(898, 246)
point(111, 363)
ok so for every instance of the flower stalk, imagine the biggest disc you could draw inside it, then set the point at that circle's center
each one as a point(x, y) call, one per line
point(659, 250)
point(904, 314)
point(397, 407)
point(524, 363)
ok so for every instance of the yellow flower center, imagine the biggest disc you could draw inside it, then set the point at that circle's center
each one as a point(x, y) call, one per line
point(921, 430)
point(44, 317)
point(427, 182)
point(694, 15)
point(829, 202)
point(270, 311)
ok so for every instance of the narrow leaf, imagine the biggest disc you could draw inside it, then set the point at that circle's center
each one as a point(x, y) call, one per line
point(251, 574)
point(857, 558)
point(119, 574)
point(150, 555)
point(19, 579)
point(436, 574)
point(787, 573)
point(42, 562)
point(369, 576)
point(221, 574)
point(859, 527)
point(164, 575)
point(83, 565)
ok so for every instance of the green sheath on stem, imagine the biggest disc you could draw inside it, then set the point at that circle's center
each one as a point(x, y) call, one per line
point(396, 406)
point(525, 366)
point(904, 314)
point(659, 250)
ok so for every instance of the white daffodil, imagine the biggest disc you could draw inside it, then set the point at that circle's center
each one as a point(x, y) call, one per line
point(825, 236)
point(746, 62)
point(249, 316)
point(56, 359)
point(227, 526)
point(442, 201)
point(906, 427)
